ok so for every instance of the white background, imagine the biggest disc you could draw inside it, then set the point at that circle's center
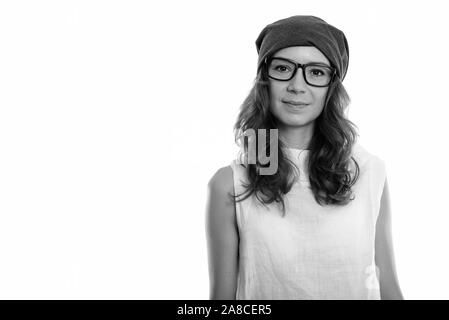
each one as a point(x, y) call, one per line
point(115, 114)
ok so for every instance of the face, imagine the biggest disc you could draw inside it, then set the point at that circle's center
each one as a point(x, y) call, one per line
point(297, 90)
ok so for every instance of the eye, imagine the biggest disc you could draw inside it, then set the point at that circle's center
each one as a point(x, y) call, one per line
point(317, 72)
point(282, 68)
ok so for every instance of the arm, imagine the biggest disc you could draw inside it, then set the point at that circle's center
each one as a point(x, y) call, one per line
point(222, 236)
point(389, 285)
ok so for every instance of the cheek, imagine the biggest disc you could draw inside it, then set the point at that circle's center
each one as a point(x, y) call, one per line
point(275, 92)
point(272, 92)
point(320, 97)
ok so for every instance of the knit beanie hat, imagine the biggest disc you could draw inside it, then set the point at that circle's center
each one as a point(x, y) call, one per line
point(305, 31)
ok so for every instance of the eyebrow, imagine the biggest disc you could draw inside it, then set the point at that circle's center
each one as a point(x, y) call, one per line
point(308, 62)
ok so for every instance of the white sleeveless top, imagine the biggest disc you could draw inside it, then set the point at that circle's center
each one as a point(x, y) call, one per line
point(313, 252)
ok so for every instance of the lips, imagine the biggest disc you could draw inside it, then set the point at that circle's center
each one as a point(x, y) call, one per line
point(295, 103)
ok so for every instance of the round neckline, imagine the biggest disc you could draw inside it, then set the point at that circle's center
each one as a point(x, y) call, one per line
point(299, 158)
point(298, 154)
point(294, 149)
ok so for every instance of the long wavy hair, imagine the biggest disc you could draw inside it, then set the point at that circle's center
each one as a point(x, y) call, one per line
point(332, 169)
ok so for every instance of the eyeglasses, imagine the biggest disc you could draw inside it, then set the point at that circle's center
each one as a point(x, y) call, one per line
point(315, 74)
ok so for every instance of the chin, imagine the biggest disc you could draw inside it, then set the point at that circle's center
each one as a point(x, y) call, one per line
point(293, 119)
point(295, 122)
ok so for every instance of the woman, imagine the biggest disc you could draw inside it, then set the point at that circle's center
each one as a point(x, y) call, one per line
point(320, 226)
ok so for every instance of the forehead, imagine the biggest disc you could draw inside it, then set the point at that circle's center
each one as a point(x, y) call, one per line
point(302, 54)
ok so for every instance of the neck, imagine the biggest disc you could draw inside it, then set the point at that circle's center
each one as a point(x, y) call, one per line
point(296, 137)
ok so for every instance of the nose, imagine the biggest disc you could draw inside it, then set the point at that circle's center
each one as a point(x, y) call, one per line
point(297, 83)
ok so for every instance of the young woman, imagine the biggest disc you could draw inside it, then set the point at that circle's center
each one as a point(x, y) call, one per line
point(320, 226)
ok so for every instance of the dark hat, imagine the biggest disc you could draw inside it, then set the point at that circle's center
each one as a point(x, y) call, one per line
point(305, 31)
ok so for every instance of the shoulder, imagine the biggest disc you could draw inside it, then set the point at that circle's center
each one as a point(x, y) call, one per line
point(222, 180)
point(365, 158)
point(372, 170)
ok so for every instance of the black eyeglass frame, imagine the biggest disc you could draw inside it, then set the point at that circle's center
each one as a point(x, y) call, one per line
point(303, 67)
